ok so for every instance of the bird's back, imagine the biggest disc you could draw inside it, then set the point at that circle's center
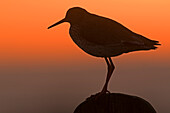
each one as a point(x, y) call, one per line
point(109, 34)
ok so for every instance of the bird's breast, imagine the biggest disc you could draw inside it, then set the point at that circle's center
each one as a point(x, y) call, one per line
point(75, 33)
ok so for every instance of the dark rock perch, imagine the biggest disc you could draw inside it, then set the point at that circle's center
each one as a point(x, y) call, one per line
point(115, 103)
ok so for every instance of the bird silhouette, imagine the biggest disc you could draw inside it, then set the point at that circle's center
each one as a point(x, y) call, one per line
point(103, 37)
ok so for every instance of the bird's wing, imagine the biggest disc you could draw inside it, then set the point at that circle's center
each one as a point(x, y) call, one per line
point(104, 31)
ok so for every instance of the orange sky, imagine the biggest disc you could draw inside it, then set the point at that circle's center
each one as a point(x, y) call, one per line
point(24, 35)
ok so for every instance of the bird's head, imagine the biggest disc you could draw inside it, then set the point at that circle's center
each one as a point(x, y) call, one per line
point(74, 15)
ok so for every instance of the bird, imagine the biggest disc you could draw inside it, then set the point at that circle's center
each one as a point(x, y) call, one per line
point(103, 37)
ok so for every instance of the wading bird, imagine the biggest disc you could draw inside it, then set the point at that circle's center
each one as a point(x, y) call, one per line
point(103, 37)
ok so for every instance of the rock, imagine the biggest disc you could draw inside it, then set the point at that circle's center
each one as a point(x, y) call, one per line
point(115, 103)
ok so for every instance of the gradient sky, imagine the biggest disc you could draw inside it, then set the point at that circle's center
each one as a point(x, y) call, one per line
point(43, 71)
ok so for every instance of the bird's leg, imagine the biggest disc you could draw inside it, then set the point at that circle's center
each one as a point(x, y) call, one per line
point(110, 67)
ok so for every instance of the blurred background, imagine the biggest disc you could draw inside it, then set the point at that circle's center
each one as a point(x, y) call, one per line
point(43, 71)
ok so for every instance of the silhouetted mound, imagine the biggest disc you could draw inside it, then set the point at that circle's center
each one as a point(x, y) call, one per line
point(114, 103)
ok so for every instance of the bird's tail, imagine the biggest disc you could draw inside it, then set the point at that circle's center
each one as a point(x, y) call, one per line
point(155, 42)
point(151, 44)
point(143, 44)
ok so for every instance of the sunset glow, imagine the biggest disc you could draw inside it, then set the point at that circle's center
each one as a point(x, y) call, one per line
point(43, 69)
point(24, 34)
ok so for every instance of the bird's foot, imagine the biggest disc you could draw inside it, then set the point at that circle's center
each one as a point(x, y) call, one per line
point(99, 95)
point(102, 93)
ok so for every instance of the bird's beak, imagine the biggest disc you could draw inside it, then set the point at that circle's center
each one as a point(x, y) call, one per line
point(61, 21)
